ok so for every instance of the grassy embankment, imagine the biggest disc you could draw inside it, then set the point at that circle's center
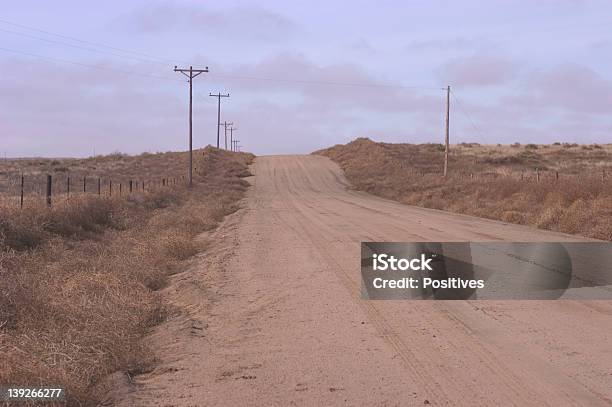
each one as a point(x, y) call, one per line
point(496, 182)
point(118, 168)
point(78, 281)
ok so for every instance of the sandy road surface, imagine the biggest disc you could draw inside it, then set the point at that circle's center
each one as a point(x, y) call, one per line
point(271, 315)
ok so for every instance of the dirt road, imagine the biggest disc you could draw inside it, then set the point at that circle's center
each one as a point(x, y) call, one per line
point(272, 315)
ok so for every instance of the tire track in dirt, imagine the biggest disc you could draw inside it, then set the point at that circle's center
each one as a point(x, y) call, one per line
point(287, 325)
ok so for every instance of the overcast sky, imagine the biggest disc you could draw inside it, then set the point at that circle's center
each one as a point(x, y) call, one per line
point(301, 75)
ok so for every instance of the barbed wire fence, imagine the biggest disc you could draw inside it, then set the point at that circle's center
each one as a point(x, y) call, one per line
point(50, 188)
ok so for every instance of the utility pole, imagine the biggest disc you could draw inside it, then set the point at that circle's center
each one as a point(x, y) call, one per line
point(232, 136)
point(447, 130)
point(190, 73)
point(235, 145)
point(219, 96)
point(225, 124)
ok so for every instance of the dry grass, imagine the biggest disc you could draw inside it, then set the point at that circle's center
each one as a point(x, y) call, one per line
point(78, 281)
point(118, 168)
point(496, 182)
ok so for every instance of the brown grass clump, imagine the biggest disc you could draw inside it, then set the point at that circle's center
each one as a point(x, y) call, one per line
point(573, 195)
point(78, 280)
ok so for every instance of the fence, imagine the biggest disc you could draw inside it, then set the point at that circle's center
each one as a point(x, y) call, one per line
point(47, 188)
point(534, 175)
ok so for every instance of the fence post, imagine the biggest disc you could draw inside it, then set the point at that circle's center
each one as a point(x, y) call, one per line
point(21, 199)
point(99, 186)
point(68, 187)
point(163, 182)
point(538, 174)
point(603, 174)
point(84, 185)
point(110, 187)
point(120, 188)
point(49, 182)
point(556, 175)
point(130, 186)
point(143, 186)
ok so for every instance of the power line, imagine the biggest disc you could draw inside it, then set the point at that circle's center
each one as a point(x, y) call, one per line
point(81, 47)
point(127, 51)
point(467, 115)
point(65, 61)
point(332, 83)
point(160, 60)
point(326, 83)
point(123, 71)
point(155, 59)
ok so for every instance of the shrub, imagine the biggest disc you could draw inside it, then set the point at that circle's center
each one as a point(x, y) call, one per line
point(77, 281)
point(18, 232)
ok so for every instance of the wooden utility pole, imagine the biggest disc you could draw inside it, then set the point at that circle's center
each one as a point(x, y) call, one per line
point(21, 197)
point(232, 137)
point(49, 189)
point(225, 124)
point(219, 96)
point(447, 130)
point(190, 73)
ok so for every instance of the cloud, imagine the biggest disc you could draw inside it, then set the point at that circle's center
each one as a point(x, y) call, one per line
point(337, 85)
point(438, 44)
point(478, 71)
point(570, 87)
point(70, 111)
point(245, 21)
point(307, 105)
point(569, 102)
point(362, 45)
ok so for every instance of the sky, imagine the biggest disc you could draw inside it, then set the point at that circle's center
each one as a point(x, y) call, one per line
point(84, 77)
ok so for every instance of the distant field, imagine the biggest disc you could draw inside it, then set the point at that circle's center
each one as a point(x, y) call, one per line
point(563, 187)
